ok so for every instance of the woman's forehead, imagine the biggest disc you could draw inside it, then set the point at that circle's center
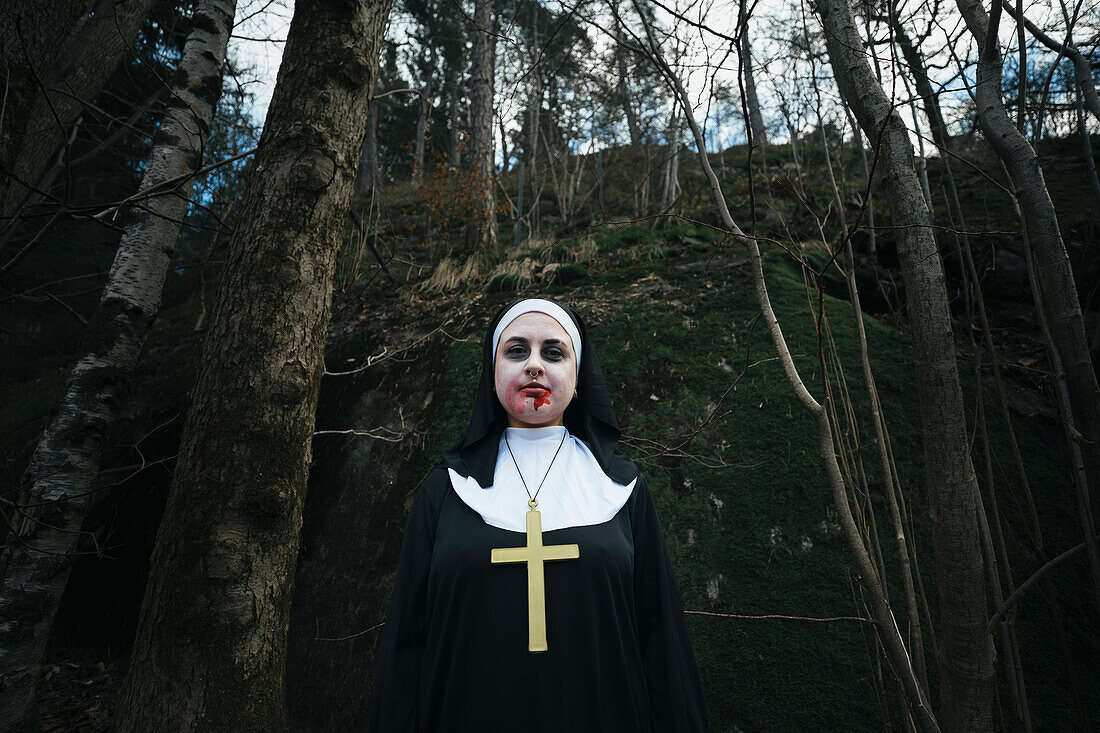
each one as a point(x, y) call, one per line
point(536, 326)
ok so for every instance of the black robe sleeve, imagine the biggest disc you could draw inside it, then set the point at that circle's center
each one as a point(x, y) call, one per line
point(675, 693)
point(394, 706)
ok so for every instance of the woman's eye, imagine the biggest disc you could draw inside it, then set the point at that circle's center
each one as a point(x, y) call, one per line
point(516, 351)
point(554, 354)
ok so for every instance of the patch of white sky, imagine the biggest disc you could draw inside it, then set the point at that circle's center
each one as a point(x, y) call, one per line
point(256, 47)
point(697, 44)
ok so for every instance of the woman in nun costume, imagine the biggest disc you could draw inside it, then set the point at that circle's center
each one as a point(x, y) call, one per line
point(534, 592)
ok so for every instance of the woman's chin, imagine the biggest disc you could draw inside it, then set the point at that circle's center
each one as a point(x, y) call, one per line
point(533, 420)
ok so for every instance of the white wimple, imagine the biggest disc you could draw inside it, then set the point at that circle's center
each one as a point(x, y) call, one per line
point(577, 492)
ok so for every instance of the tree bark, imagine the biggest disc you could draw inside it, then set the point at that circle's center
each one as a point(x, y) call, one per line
point(54, 58)
point(367, 180)
point(454, 149)
point(482, 230)
point(869, 206)
point(425, 107)
point(210, 648)
point(534, 106)
point(670, 180)
point(1055, 275)
point(756, 120)
point(628, 107)
point(966, 644)
point(61, 476)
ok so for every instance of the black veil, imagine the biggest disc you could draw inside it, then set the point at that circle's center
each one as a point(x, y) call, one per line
point(589, 416)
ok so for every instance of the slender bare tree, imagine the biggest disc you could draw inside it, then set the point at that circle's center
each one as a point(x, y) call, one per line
point(966, 646)
point(60, 480)
point(1054, 275)
point(482, 231)
point(210, 648)
point(890, 635)
point(752, 100)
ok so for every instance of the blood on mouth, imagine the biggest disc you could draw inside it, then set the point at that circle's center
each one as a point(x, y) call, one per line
point(540, 395)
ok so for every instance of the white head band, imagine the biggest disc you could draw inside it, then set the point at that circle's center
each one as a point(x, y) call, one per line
point(538, 305)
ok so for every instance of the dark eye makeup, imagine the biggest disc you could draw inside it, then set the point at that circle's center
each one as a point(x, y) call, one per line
point(519, 350)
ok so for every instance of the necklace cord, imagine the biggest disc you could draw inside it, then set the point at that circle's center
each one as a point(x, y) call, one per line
point(513, 455)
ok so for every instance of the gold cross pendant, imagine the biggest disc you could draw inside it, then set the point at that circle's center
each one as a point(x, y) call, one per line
point(535, 554)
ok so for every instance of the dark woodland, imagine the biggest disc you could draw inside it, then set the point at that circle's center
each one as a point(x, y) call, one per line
point(836, 256)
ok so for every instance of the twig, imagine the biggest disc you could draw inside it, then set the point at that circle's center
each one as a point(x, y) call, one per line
point(781, 617)
point(1035, 578)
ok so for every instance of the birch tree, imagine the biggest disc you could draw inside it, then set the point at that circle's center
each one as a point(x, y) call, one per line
point(210, 647)
point(60, 480)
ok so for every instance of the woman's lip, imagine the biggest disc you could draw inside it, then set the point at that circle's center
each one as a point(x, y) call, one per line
point(536, 385)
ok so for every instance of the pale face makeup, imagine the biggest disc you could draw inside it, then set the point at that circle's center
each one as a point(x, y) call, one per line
point(535, 373)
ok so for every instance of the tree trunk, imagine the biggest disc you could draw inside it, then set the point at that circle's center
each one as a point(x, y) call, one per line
point(670, 188)
point(453, 146)
point(1086, 148)
point(966, 644)
point(425, 108)
point(482, 231)
point(534, 105)
point(210, 647)
point(756, 120)
point(857, 138)
point(366, 182)
point(61, 477)
point(626, 101)
point(792, 133)
point(1055, 275)
point(505, 151)
point(54, 58)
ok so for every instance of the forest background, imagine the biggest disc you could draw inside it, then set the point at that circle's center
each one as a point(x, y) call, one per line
point(837, 259)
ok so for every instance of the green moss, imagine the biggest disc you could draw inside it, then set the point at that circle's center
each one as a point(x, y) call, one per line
point(568, 273)
point(506, 283)
point(615, 238)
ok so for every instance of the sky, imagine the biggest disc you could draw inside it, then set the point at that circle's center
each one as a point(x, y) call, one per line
point(257, 43)
point(261, 26)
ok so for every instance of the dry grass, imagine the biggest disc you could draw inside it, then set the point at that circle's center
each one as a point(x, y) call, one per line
point(519, 267)
point(534, 259)
point(450, 275)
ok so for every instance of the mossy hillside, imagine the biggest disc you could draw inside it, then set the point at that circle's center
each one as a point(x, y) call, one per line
point(748, 515)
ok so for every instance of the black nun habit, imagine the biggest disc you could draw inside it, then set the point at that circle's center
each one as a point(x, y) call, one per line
point(454, 652)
